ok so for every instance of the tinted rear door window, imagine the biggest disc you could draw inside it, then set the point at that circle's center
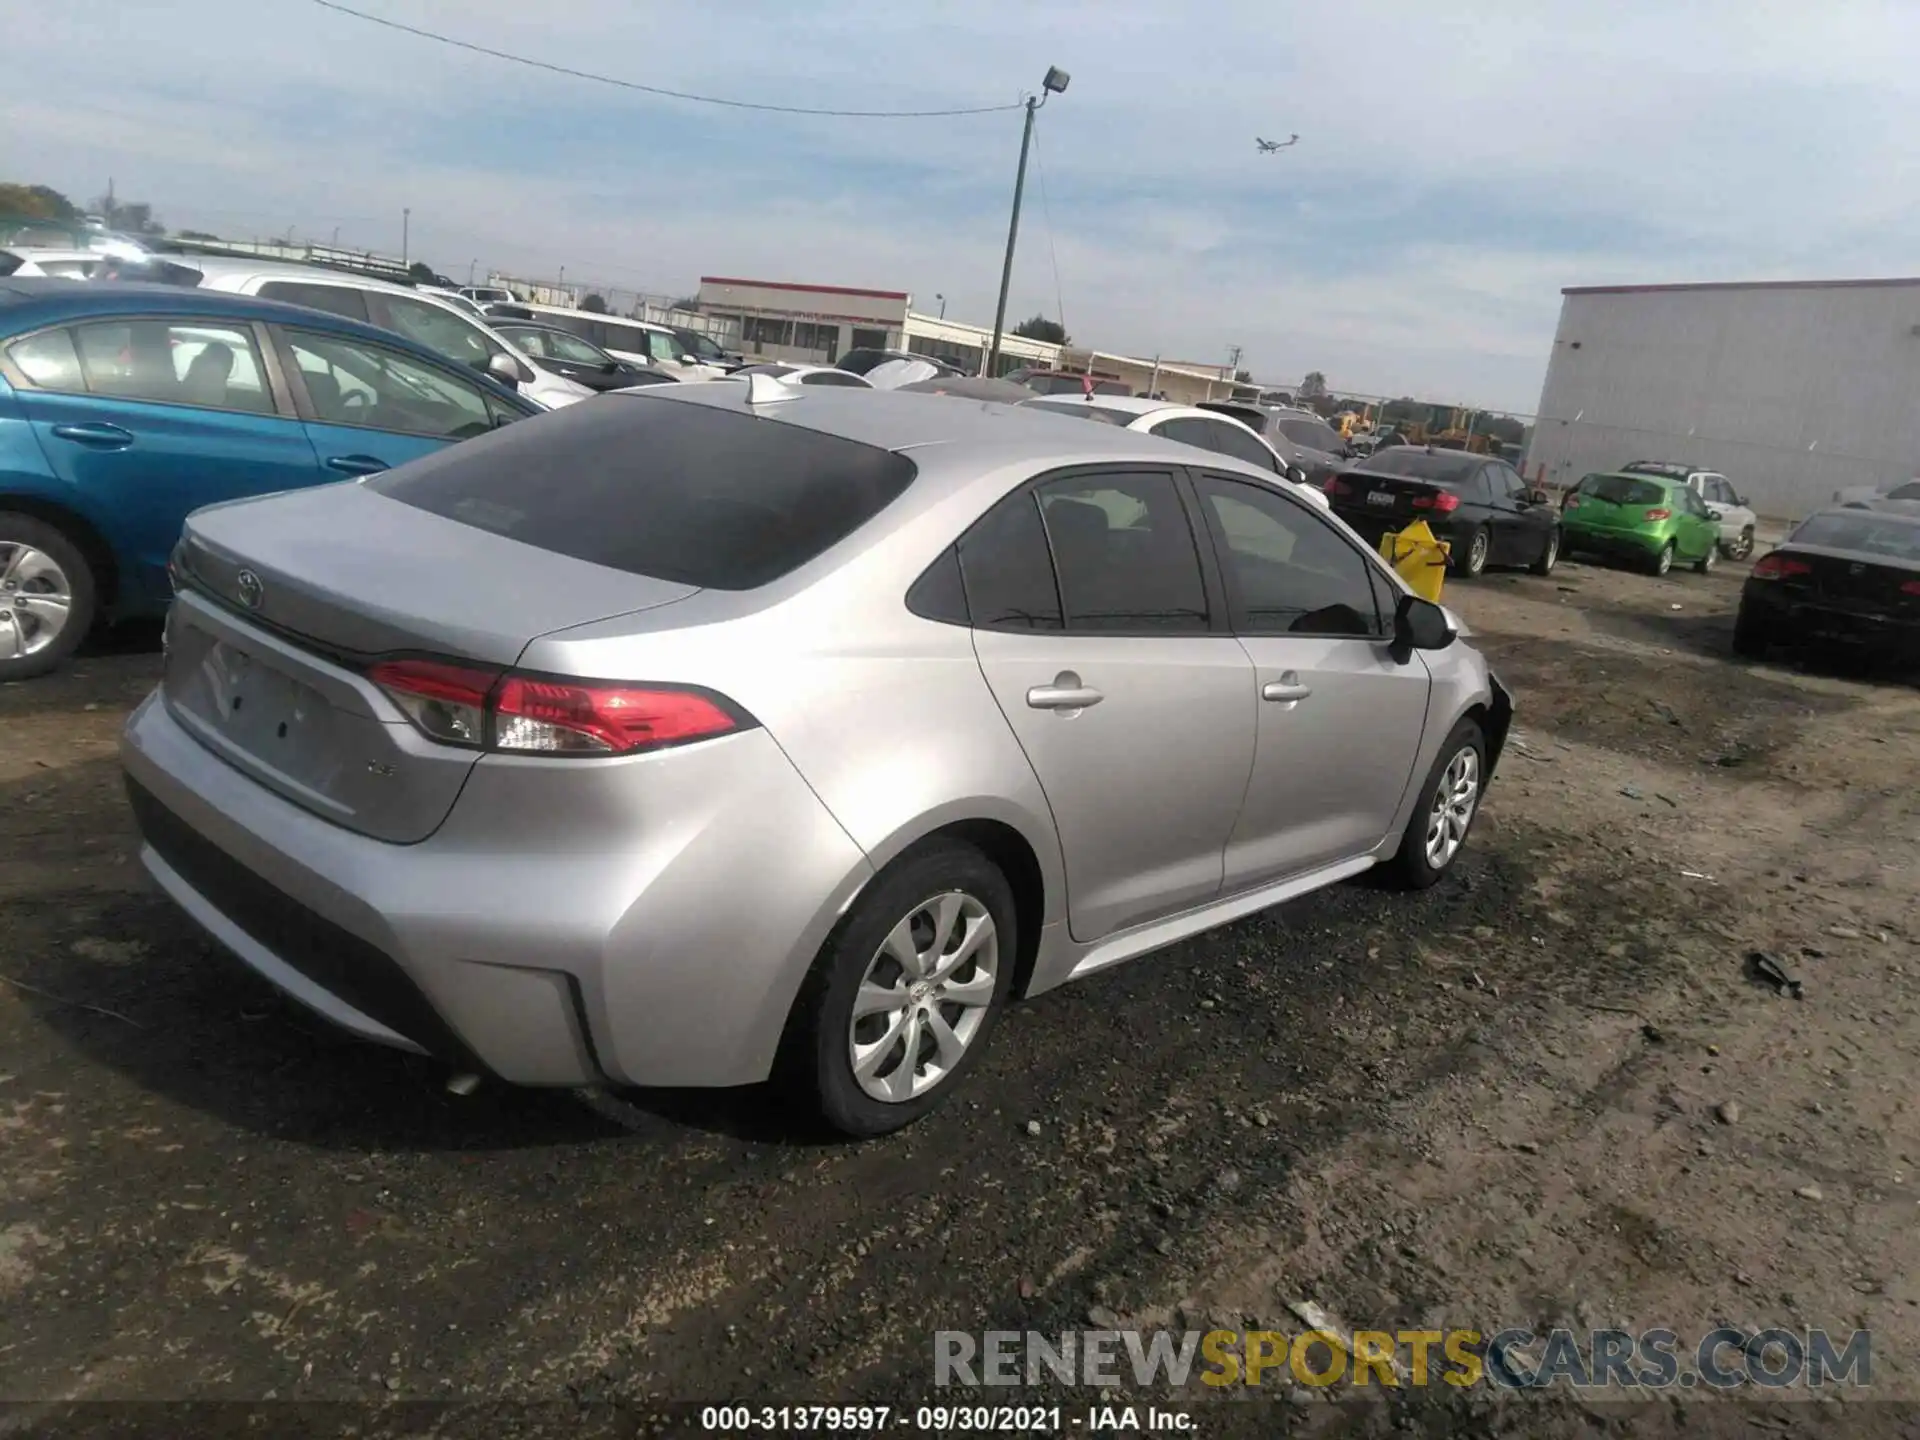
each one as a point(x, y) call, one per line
point(656, 487)
point(1125, 554)
point(1007, 570)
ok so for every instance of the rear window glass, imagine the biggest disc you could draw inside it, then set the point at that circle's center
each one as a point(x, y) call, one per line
point(1083, 411)
point(1619, 490)
point(657, 487)
point(1863, 532)
point(1658, 467)
point(1450, 468)
point(1310, 433)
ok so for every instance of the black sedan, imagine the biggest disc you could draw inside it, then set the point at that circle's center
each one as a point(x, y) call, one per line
point(1845, 576)
point(565, 353)
point(1481, 507)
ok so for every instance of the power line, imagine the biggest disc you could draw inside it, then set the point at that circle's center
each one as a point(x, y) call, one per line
point(1046, 211)
point(656, 89)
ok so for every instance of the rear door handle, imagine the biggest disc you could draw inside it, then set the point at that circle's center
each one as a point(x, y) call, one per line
point(356, 464)
point(1065, 693)
point(1286, 689)
point(96, 436)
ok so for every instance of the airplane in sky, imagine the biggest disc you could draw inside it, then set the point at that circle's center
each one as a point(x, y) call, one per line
point(1268, 147)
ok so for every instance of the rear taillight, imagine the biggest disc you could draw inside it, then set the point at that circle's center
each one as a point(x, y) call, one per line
point(548, 715)
point(559, 717)
point(1778, 567)
point(447, 702)
point(1658, 515)
point(1445, 501)
point(1335, 486)
point(1912, 587)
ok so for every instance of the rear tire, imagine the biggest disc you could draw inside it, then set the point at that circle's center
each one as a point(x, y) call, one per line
point(1437, 830)
point(1704, 565)
point(46, 596)
point(1473, 555)
point(888, 944)
point(1750, 638)
point(1663, 562)
point(1548, 557)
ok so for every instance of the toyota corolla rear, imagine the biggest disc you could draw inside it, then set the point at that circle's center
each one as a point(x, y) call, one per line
point(352, 778)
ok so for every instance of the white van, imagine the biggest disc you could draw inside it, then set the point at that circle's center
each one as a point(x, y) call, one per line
point(639, 341)
point(427, 319)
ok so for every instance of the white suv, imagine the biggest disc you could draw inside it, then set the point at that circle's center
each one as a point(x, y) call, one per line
point(425, 318)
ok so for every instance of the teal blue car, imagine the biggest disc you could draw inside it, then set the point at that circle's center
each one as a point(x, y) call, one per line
point(125, 407)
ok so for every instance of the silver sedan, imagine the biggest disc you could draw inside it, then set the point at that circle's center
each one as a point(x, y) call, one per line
point(703, 734)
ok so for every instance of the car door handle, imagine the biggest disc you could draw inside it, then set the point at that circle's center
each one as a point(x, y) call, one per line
point(1065, 693)
point(98, 437)
point(356, 464)
point(1286, 689)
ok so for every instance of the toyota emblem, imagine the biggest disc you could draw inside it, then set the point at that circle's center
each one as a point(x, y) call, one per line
point(248, 587)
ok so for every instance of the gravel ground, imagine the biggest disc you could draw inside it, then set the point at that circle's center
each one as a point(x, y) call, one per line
point(1492, 1104)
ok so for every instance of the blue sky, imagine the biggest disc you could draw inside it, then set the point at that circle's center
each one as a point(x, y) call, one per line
point(1457, 166)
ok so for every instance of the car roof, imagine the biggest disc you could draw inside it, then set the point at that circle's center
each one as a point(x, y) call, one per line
point(1125, 404)
point(946, 432)
point(1901, 516)
point(34, 301)
point(226, 267)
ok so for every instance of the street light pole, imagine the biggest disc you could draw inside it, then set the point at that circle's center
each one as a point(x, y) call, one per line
point(1055, 83)
point(470, 265)
point(406, 224)
point(943, 305)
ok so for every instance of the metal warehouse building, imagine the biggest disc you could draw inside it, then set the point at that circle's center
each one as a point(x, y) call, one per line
point(1792, 389)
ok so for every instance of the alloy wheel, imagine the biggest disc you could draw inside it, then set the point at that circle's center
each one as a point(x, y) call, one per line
point(36, 599)
point(1454, 800)
point(924, 996)
point(1663, 562)
point(1477, 553)
point(1743, 547)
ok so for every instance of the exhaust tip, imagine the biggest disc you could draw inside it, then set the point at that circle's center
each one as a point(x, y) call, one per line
point(465, 1083)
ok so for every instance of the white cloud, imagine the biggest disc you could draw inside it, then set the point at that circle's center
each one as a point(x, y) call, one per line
point(1456, 168)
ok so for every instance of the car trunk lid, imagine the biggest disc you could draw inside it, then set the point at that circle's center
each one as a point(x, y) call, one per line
point(1388, 498)
point(1853, 582)
point(285, 604)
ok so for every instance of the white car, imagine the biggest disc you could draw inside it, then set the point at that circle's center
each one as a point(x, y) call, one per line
point(1203, 429)
point(488, 295)
point(639, 342)
point(805, 375)
point(455, 299)
point(425, 318)
point(1736, 517)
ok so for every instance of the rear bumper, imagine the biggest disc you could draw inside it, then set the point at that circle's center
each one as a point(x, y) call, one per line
point(1371, 526)
point(624, 921)
point(1788, 619)
point(1624, 544)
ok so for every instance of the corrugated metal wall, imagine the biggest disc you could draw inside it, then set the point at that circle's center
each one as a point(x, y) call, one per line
point(1793, 392)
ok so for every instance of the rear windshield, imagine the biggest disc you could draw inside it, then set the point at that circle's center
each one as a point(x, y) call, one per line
point(1450, 468)
point(1618, 490)
point(1658, 467)
point(1083, 410)
point(662, 488)
point(1864, 532)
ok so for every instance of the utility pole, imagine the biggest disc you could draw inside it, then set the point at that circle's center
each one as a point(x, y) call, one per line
point(943, 305)
point(1055, 83)
point(470, 265)
point(406, 225)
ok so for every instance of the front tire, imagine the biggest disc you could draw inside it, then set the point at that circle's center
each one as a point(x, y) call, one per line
point(1449, 803)
point(46, 596)
point(1742, 547)
point(902, 997)
point(1663, 562)
point(1550, 556)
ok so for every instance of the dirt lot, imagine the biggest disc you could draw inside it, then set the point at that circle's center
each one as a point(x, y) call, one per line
point(1494, 1104)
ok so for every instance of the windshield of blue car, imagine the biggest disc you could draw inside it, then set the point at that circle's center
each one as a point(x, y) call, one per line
point(1448, 467)
point(1863, 532)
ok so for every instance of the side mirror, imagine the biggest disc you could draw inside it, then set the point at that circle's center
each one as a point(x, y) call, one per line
point(507, 370)
point(1419, 625)
point(1296, 474)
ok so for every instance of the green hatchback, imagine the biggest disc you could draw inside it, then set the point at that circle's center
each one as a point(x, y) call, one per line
point(1647, 519)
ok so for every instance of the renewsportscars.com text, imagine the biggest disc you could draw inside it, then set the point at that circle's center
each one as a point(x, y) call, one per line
point(1514, 1359)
